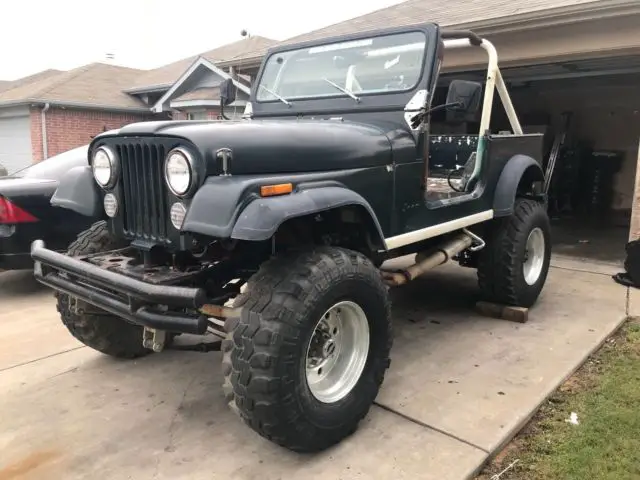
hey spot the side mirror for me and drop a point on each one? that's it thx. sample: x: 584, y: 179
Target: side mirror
x: 227, y: 92
x: 464, y: 97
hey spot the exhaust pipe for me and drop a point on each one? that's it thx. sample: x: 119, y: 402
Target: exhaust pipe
x: 426, y: 261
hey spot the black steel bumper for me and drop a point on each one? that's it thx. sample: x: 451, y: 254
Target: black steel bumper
x: 134, y: 300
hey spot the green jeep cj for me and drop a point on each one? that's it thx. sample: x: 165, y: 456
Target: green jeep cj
x: 268, y: 235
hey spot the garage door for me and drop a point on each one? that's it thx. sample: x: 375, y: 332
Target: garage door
x: 15, y: 142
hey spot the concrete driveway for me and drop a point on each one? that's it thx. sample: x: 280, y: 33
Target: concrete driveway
x: 459, y: 386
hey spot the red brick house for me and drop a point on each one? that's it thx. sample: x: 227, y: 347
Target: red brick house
x: 62, y: 110
x: 53, y: 111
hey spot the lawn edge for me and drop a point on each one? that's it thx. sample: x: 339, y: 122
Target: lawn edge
x: 514, y: 431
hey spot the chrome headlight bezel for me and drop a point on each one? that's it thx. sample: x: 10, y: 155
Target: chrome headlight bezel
x: 192, y: 182
x: 113, y: 167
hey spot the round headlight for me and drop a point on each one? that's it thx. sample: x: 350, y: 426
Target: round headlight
x: 104, y: 168
x: 178, y: 171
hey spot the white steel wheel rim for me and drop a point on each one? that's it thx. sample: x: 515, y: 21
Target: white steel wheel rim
x: 534, y: 256
x: 337, y: 352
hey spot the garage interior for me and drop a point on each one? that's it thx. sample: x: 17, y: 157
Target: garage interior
x: 588, y: 110
x: 594, y: 104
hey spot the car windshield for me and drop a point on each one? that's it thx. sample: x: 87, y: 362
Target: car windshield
x: 355, y: 68
x: 55, y: 167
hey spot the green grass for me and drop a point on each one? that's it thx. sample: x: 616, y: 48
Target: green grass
x: 605, y: 394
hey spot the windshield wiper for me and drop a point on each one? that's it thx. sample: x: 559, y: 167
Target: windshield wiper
x: 343, y: 90
x: 282, y: 99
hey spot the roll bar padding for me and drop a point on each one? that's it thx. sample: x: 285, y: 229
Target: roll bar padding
x: 455, y: 34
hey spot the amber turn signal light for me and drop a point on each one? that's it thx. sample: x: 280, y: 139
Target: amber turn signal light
x: 272, y: 190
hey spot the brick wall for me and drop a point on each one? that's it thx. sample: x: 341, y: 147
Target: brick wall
x: 212, y: 114
x: 178, y: 115
x: 70, y: 128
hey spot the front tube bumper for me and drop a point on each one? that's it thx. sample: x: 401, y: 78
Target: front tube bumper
x: 134, y: 300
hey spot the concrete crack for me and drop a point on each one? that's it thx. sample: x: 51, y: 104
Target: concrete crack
x: 431, y: 427
x: 41, y: 358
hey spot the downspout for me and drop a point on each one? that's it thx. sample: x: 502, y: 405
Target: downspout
x: 43, y: 125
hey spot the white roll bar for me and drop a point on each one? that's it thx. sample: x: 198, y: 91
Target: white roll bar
x: 494, y: 81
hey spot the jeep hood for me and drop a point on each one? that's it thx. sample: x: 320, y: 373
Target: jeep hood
x: 283, y: 146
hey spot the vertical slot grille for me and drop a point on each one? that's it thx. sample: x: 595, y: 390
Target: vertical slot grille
x: 145, y: 204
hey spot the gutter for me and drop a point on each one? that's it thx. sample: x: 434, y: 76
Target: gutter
x: 552, y: 17
x: 149, y: 89
x: 43, y: 126
x: 86, y: 106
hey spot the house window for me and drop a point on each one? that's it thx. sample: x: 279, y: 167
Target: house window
x: 203, y: 115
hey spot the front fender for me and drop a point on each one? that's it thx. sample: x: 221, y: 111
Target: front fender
x: 217, y: 203
x: 262, y: 217
x: 78, y: 191
x: 518, y: 167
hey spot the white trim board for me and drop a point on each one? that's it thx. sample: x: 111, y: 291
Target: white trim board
x: 436, y: 230
x: 201, y: 61
x: 205, y: 103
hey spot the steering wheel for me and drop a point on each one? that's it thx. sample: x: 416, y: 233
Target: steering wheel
x: 467, y: 171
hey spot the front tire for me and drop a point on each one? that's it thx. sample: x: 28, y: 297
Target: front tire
x: 105, y: 333
x: 513, y: 267
x: 306, y: 359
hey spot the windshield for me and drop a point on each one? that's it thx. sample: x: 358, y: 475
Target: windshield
x: 355, y: 68
x: 53, y: 168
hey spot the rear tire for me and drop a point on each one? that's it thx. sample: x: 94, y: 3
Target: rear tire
x: 275, y: 353
x: 105, y: 333
x: 513, y: 267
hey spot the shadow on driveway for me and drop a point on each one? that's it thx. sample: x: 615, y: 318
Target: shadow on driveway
x: 18, y: 282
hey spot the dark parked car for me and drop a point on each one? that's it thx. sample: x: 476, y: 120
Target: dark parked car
x: 26, y: 213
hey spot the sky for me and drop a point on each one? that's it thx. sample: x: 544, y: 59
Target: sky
x: 64, y: 34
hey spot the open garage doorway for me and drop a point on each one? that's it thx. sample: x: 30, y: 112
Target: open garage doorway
x: 589, y: 112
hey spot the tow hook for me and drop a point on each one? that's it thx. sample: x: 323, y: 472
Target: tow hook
x: 154, y: 339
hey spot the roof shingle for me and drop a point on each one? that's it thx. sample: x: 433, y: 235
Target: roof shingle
x: 9, y: 84
x: 451, y: 13
x: 96, y: 84
x: 166, y: 75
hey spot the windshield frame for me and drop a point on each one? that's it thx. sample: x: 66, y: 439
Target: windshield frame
x: 340, y: 102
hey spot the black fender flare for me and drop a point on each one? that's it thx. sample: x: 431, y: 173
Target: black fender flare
x: 78, y: 191
x: 260, y: 219
x: 518, y: 167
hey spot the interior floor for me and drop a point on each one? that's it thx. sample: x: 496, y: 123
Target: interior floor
x: 577, y: 239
